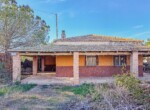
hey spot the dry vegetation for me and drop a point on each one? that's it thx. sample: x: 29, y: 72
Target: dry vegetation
x: 32, y: 97
x: 5, y: 76
x: 126, y: 94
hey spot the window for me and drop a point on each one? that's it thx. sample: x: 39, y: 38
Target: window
x: 91, y: 60
x: 119, y: 60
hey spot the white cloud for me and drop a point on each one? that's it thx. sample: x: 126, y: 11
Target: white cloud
x: 141, y: 35
x: 138, y: 26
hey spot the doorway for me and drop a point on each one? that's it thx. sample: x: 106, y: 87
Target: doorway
x: 47, y: 64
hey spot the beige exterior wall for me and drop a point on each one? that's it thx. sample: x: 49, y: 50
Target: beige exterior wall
x: 105, y: 60
x: 64, y: 60
x: 68, y: 60
x: 102, y: 60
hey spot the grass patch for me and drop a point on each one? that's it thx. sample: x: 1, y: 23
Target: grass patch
x: 4, y: 90
x: 53, y: 100
x: 23, y: 87
x: 16, y: 88
x: 82, y: 90
x: 33, y: 97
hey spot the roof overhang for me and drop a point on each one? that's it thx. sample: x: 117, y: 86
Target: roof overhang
x: 71, y: 53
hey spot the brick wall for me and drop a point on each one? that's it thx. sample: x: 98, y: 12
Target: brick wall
x: 64, y: 71
x: 97, y: 71
x: 64, y: 66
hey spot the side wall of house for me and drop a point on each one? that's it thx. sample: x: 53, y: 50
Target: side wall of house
x: 105, y: 68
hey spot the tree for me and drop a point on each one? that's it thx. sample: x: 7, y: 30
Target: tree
x: 148, y: 42
x: 20, y: 27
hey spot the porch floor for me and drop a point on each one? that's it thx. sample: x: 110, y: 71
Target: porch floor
x: 47, y: 79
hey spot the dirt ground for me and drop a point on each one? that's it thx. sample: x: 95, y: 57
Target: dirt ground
x: 39, y: 98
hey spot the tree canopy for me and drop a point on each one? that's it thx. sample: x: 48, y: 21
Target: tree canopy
x: 148, y: 42
x: 20, y: 27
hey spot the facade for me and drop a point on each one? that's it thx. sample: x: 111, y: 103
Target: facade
x: 84, y: 56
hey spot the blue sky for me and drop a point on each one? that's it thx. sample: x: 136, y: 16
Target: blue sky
x: 124, y: 18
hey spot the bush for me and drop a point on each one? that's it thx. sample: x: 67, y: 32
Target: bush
x: 132, y: 84
x: 4, y: 90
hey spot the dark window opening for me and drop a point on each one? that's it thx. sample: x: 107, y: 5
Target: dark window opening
x: 119, y: 60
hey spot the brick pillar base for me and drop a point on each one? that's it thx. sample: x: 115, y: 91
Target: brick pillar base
x: 134, y: 68
x: 76, y: 67
x: 16, y: 67
x: 34, y: 65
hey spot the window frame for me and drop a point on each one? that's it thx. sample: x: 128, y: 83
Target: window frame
x: 119, y: 56
x: 97, y: 61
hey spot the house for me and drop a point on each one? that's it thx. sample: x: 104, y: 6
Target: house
x: 84, y: 56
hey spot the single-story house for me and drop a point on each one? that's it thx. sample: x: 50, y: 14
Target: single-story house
x: 84, y: 56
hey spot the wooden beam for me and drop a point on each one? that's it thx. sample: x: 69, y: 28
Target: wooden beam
x: 106, y: 53
x: 144, y: 53
x: 45, y: 54
x: 81, y: 53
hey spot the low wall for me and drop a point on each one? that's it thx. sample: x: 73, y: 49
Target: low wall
x: 95, y: 71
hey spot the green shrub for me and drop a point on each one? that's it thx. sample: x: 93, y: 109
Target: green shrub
x: 23, y: 87
x: 132, y: 84
x: 82, y: 90
x: 16, y: 88
x: 4, y: 91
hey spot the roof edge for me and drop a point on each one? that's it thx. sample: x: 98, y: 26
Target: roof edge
x: 123, y: 38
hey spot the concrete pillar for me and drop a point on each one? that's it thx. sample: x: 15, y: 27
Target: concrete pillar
x: 16, y: 67
x: 76, y: 67
x: 35, y: 65
x: 134, y: 63
x: 43, y: 64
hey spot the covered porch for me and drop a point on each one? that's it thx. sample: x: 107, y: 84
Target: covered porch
x: 40, y: 76
x: 43, y: 71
